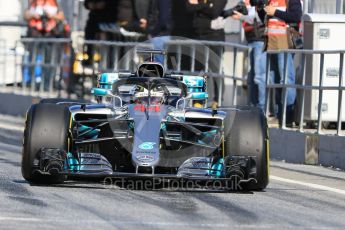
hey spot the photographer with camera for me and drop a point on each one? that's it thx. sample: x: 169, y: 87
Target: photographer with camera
x: 280, y: 16
x: 254, y: 30
x: 45, y: 19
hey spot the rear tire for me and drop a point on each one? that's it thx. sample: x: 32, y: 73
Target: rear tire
x: 246, y: 134
x: 46, y: 126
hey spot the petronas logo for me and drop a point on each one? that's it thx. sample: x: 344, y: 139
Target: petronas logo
x: 147, y: 145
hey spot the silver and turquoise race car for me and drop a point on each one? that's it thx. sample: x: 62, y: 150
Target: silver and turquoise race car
x: 146, y: 124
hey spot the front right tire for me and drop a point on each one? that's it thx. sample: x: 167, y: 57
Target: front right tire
x: 246, y: 134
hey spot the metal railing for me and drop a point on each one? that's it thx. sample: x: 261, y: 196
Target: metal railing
x: 210, y: 56
x: 115, y: 55
x: 201, y: 57
x: 3, y: 61
x: 312, y: 86
x: 45, y: 59
x: 39, y: 68
x: 50, y: 57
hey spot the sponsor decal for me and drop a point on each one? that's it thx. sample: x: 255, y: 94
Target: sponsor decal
x: 90, y: 155
x: 145, y: 152
x: 200, y: 163
x: 197, y: 162
x: 145, y: 158
x: 191, y: 82
x: 332, y: 72
x: 324, y: 33
x: 147, y: 145
x: 152, y: 108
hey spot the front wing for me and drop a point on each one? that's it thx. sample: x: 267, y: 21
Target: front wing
x: 90, y: 165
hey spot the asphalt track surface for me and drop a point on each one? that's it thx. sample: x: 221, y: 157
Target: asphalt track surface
x: 298, y: 197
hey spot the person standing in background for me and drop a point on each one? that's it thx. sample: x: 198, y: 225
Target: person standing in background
x: 133, y: 14
x: 181, y: 28
x: 44, y: 17
x: 100, y: 11
x: 206, y: 11
x: 254, y: 30
x: 182, y: 20
x: 45, y: 20
x: 159, y: 25
x: 279, y: 15
x: 160, y: 21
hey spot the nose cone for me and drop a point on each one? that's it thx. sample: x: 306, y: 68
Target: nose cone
x: 146, y: 147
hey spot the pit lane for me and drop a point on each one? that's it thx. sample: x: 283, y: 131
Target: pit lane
x: 298, y: 197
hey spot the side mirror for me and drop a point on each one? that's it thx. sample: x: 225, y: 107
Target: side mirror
x: 200, y: 96
x: 106, y: 80
x: 108, y: 97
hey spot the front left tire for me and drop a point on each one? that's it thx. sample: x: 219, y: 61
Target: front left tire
x: 47, y: 126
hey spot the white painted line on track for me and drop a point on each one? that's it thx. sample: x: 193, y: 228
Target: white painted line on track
x: 134, y: 222
x: 127, y: 223
x: 311, y: 185
x: 25, y: 219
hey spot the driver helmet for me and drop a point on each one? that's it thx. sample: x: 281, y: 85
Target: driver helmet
x: 156, y: 98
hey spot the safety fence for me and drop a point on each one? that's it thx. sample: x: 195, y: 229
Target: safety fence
x: 40, y: 65
x: 319, y: 85
x: 184, y: 56
x: 111, y: 56
x: 59, y: 67
x: 48, y: 67
x: 2, y: 59
x: 55, y: 67
x: 218, y: 60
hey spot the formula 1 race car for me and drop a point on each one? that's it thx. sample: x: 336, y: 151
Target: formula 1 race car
x: 146, y: 125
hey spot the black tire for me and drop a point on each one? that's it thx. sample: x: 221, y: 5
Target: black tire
x: 47, y: 125
x: 247, y: 135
